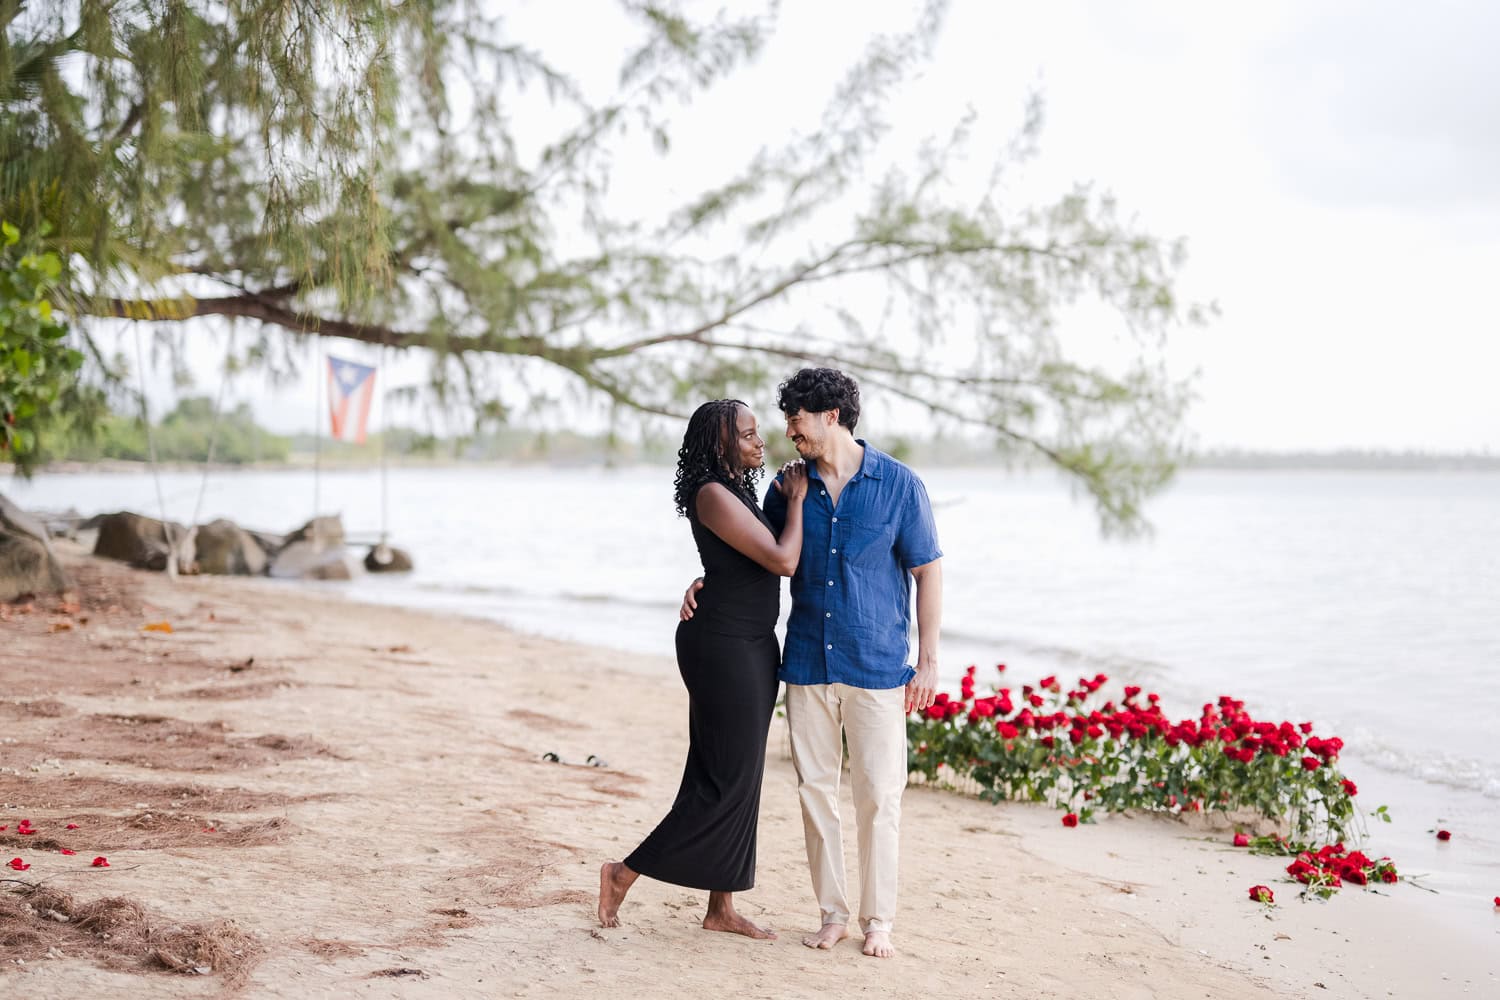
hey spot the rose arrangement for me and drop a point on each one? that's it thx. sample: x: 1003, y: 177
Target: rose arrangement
x: 1076, y: 750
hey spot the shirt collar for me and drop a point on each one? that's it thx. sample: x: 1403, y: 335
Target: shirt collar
x: 872, y: 464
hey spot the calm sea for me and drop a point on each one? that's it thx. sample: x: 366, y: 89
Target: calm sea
x: 1368, y: 602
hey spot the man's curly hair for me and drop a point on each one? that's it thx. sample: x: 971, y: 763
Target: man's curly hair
x: 818, y: 390
x: 709, y: 454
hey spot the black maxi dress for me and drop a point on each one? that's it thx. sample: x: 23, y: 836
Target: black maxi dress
x: 728, y: 657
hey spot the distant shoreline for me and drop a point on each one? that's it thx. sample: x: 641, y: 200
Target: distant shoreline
x: 1352, y: 461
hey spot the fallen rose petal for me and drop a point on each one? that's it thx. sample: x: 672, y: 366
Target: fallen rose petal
x: 1497, y: 902
x: 1071, y: 819
x: 1241, y: 840
x: 66, y: 851
x: 1443, y: 835
x: 16, y: 864
x: 100, y: 863
x: 209, y: 829
x: 72, y: 826
x: 26, y: 832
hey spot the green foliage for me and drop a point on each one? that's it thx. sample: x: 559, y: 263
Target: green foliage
x: 351, y: 168
x: 182, y: 436
x: 37, y: 366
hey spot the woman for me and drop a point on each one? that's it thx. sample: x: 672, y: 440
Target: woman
x: 728, y: 656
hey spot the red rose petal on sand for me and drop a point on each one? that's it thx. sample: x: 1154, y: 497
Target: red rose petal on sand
x: 100, y: 863
x: 16, y: 864
x: 1071, y: 819
x: 66, y: 851
x: 1443, y: 835
x: 209, y: 829
x: 1241, y: 840
x: 26, y: 832
x: 1497, y: 902
x: 4, y: 828
x: 72, y: 826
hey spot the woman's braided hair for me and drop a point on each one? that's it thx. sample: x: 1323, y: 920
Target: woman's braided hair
x: 710, y: 453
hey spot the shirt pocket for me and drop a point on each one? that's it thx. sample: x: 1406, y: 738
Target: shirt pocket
x: 867, y: 543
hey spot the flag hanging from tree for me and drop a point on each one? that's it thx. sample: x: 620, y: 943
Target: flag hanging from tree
x: 351, y: 386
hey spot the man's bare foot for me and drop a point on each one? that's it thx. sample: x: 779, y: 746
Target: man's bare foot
x: 828, y: 935
x: 732, y: 923
x: 878, y: 944
x: 613, y: 885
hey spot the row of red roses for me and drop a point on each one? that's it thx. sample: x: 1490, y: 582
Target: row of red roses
x: 1130, y: 755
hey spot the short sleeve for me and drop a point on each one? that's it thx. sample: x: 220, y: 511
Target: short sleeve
x: 916, y: 531
x: 774, y: 506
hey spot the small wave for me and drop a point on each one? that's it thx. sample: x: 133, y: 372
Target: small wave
x: 514, y: 593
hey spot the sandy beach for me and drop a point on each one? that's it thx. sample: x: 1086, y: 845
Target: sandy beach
x: 360, y: 793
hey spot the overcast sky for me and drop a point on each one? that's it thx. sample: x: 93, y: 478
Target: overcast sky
x: 1335, y: 167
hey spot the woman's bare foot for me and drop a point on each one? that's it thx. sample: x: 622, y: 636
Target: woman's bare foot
x: 615, y: 881
x: 828, y: 935
x: 878, y: 944
x: 736, y: 924
x: 722, y: 917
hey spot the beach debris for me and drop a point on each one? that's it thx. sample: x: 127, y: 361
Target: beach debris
x: 165, y: 627
x: 398, y: 973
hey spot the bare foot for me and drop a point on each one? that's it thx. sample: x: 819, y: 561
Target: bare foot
x: 828, y: 935
x: 733, y: 923
x: 613, y: 885
x: 878, y: 944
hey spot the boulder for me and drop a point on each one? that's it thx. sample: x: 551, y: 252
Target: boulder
x: 226, y: 549
x: 308, y: 560
x: 329, y: 530
x: 142, y: 541
x: 387, y: 559
x: 27, y: 563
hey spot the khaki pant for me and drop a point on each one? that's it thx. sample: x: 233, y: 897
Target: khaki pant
x: 875, y: 724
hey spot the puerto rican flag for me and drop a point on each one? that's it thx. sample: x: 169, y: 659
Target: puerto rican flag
x: 350, y: 386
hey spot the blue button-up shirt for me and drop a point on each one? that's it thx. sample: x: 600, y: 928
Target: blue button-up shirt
x: 851, y: 594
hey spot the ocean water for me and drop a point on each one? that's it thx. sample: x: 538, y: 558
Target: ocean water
x: 1368, y: 602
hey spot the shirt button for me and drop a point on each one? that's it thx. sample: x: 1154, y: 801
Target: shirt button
x: 830, y: 647
x: 828, y: 614
x: 830, y: 583
x: 822, y: 493
x: 835, y: 520
x: 834, y: 551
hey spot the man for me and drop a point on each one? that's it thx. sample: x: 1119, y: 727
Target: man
x: 868, y: 532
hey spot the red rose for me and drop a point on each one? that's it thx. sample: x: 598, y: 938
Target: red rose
x: 1497, y: 901
x: 1355, y: 876
x: 1350, y: 788
x: 1310, y: 763
x: 1443, y: 835
x: 1007, y: 731
x: 100, y: 863
x: 1071, y: 819
x: 1241, y: 840
x: 1035, y: 699
x: 1262, y: 894
x: 1388, y: 875
x: 1131, y: 691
